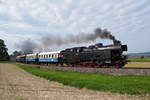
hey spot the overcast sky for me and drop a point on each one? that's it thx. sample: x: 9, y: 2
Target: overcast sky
x: 127, y: 20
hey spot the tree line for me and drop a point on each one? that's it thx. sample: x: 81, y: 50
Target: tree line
x: 3, y: 51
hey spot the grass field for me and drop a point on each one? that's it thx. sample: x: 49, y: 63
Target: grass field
x: 129, y: 84
x: 139, y: 59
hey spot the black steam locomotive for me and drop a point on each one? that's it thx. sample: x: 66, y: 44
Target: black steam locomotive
x: 95, y: 56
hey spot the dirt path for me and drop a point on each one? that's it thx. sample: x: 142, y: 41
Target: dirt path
x: 16, y: 84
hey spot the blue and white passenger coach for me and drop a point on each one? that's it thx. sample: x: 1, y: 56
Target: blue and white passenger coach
x: 48, y: 57
x: 31, y: 58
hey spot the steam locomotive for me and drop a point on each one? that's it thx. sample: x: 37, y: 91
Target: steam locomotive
x: 93, y: 56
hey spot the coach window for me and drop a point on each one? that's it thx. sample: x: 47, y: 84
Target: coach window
x: 75, y: 50
x: 78, y: 50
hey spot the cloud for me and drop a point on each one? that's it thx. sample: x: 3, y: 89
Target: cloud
x: 122, y: 18
x: 12, y: 39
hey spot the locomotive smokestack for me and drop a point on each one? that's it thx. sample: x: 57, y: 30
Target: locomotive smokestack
x: 116, y: 42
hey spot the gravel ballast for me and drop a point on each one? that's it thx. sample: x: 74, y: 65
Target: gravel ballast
x: 111, y: 71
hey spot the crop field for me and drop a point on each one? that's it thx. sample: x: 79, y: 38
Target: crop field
x: 139, y: 59
x: 138, y: 64
x: 125, y: 84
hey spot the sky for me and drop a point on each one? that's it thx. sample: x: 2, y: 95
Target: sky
x: 127, y: 20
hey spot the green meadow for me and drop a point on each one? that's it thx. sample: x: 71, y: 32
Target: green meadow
x: 125, y: 84
x: 139, y: 59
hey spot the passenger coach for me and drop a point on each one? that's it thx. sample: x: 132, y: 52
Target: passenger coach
x: 48, y: 57
x: 32, y: 58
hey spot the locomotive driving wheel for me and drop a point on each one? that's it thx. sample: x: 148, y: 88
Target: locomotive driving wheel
x: 117, y: 65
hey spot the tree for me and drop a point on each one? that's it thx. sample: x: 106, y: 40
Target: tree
x: 3, y: 51
x: 15, y: 54
x: 142, y: 57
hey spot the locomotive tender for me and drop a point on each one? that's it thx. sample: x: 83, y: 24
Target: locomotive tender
x: 93, y: 56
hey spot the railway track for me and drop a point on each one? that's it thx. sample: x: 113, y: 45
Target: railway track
x: 91, y: 67
x: 111, y: 71
x: 136, y: 67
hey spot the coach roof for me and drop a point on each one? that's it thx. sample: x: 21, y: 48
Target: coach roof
x: 46, y: 53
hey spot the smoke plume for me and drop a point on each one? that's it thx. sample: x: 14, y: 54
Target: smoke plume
x: 49, y: 40
x: 27, y: 46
